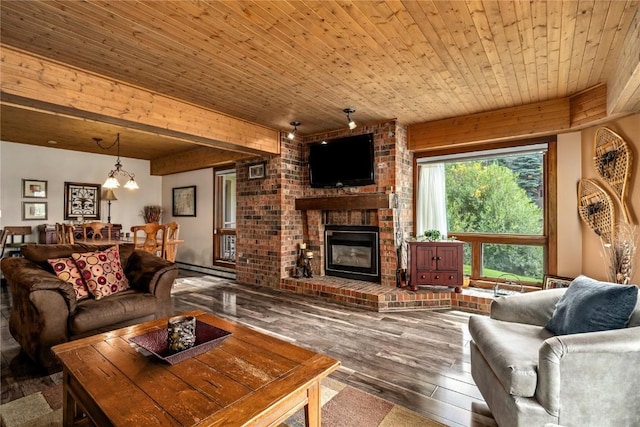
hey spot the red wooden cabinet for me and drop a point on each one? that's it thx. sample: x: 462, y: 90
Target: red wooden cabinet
x: 435, y: 264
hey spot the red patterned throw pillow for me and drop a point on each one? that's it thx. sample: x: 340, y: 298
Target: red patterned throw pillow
x: 102, y: 271
x: 67, y: 270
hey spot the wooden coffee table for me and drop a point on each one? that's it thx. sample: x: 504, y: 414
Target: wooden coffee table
x: 248, y: 379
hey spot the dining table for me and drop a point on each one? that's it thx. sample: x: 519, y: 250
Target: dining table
x: 170, y: 245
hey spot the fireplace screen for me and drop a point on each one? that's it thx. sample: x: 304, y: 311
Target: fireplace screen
x: 352, y: 252
x: 351, y: 256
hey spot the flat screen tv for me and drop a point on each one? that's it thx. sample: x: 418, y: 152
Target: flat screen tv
x: 343, y: 162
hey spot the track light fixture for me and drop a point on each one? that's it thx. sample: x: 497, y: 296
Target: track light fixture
x: 293, y: 132
x: 348, y: 112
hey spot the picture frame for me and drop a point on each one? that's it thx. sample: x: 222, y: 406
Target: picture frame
x: 34, y: 189
x: 82, y: 201
x: 257, y: 171
x: 34, y: 211
x: 553, y: 282
x: 184, y: 201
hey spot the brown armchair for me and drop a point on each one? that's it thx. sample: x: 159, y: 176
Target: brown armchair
x: 46, y: 312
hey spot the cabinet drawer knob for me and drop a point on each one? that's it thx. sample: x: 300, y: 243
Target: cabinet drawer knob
x: 423, y: 276
x: 451, y: 277
x: 437, y: 277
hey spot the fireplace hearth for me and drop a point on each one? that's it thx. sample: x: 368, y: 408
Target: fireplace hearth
x: 352, y: 252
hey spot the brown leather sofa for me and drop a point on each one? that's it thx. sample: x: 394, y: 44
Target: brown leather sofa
x: 45, y: 311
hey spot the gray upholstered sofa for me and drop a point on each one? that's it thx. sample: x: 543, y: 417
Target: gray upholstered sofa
x: 45, y: 310
x: 529, y: 377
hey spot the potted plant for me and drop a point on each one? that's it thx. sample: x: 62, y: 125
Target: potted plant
x: 432, y: 235
x: 151, y: 213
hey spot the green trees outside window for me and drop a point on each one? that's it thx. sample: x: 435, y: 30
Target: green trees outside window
x: 499, y: 195
x: 487, y: 198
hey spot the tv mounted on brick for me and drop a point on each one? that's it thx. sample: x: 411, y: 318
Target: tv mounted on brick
x: 343, y: 162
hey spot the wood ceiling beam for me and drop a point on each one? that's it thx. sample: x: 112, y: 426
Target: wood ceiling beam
x: 199, y: 158
x: 536, y: 119
x: 586, y: 108
x: 42, y: 83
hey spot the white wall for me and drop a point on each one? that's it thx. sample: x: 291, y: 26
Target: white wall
x: 197, y: 232
x: 57, y: 166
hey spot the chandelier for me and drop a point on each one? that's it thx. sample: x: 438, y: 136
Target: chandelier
x: 112, y: 180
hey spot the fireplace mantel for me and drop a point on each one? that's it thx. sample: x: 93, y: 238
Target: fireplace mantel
x: 344, y: 203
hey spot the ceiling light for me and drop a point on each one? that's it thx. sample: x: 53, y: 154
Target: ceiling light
x: 112, y: 180
x: 348, y: 112
x: 293, y: 132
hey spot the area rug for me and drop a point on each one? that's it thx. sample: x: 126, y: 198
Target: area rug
x: 342, y: 406
x: 346, y: 406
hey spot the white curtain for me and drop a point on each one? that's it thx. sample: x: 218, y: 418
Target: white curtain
x: 432, y: 207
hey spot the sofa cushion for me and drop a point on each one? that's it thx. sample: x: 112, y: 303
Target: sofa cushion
x: 67, y: 270
x: 590, y: 306
x: 92, y: 315
x: 511, y: 350
x: 102, y: 272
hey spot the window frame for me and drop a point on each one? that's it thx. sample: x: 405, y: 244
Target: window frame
x: 548, y: 239
x: 220, y: 231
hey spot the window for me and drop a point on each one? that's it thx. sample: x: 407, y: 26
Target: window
x: 225, y: 218
x: 494, y: 200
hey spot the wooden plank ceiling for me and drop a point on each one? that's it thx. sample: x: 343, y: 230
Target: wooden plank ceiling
x: 272, y: 62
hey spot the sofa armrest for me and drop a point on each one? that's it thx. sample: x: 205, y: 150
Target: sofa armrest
x: 40, y: 309
x: 144, y: 271
x: 25, y: 277
x: 533, y: 308
x: 589, y: 376
x: 149, y: 273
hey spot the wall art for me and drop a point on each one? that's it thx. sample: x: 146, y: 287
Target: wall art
x: 81, y: 201
x: 184, y: 201
x: 257, y: 171
x: 34, y: 211
x: 33, y: 188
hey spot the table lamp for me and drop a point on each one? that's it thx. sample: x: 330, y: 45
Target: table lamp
x: 109, y: 196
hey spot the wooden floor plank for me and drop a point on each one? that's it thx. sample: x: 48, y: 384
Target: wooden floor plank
x: 416, y: 359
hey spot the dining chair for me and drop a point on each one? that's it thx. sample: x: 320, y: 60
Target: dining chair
x: 171, y: 245
x: 10, y: 246
x: 70, y: 231
x: 60, y: 237
x: 153, y: 240
x: 96, y: 230
x: 64, y: 233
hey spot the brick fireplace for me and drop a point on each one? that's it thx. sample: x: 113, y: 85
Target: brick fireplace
x: 278, y: 212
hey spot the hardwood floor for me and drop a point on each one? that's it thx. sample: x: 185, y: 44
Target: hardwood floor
x: 417, y: 359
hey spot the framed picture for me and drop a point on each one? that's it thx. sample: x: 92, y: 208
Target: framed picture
x: 81, y: 201
x: 184, y: 201
x: 33, y: 188
x: 257, y: 171
x: 552, y: 282
x: 34, y: 211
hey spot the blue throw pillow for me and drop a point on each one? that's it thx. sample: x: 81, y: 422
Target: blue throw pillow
x: 589, y: 306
